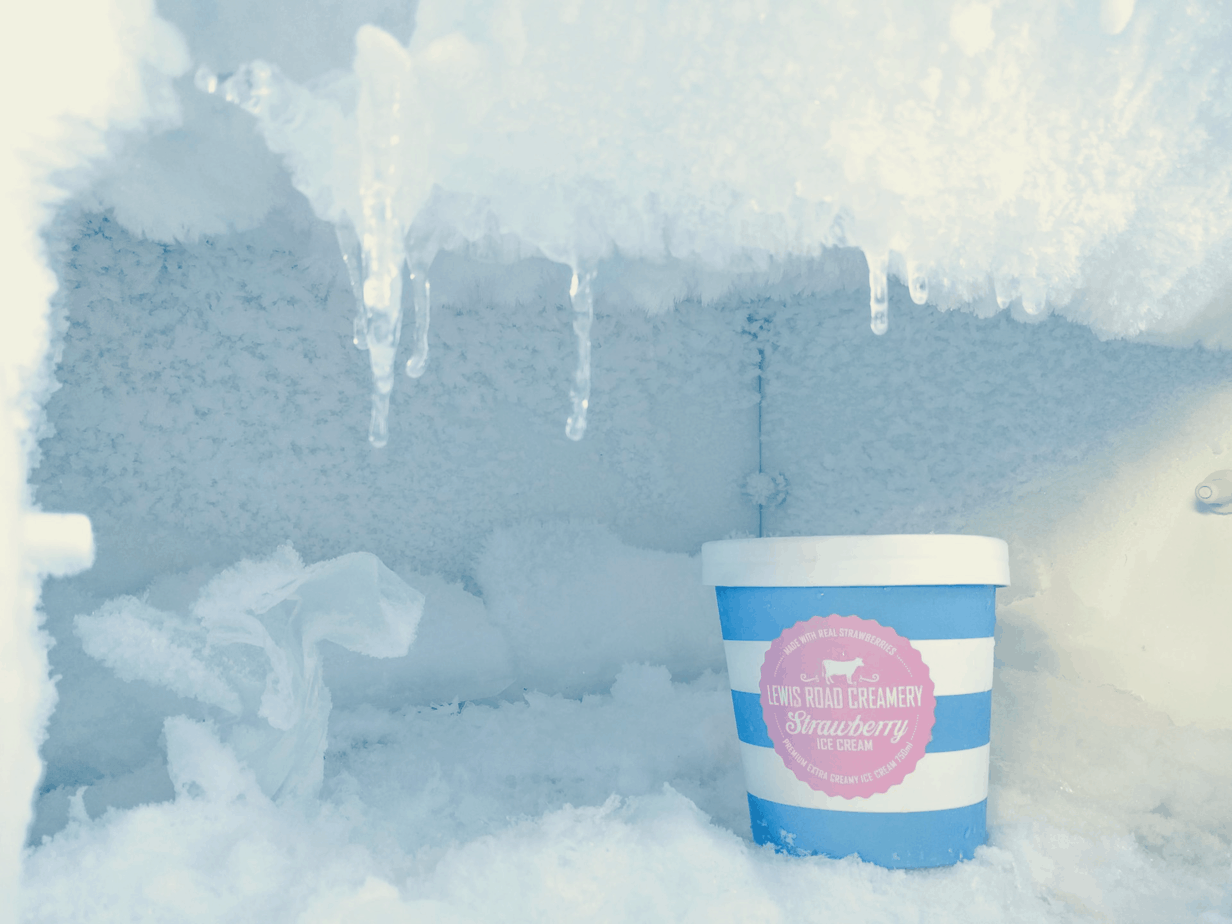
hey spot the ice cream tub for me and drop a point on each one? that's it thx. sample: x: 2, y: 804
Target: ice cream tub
x: 861, y: 673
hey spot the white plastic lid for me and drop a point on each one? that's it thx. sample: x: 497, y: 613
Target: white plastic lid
x: 856, y: 561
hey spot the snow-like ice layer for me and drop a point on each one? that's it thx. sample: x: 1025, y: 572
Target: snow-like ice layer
x: 625, y: 802
x: 628, y: 805
x: 1044, y: 155
x: 1031, y: 145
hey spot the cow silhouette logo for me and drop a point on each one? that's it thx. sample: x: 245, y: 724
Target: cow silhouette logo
x: 832, y: 669
x: 857, y: 723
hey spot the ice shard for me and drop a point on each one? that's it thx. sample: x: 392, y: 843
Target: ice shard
x: 582, y: 298
x: 878, y: 291
x: 421, y: 293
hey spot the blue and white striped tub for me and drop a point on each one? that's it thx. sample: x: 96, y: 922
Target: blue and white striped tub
x: 936, y: 815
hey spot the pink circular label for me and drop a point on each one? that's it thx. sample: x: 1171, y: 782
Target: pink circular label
x: 848, y: 703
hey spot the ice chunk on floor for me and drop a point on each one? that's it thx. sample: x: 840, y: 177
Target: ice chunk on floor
x: 454, y: 772
x: 576, y: 604
x: 249, y: 647
x: 139, y: 642
x: 459, y: 655
x: 200, y: 765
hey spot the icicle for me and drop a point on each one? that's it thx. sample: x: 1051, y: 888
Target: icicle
x: 583, y: 302
x: 1007, y: 289
x: 378, y: 426
x: 917, y: 282
x: 1034, y: 297
x: 421, y: 288
x: 352, y: 256
x: 373, y: 246
x: 878, y: 265
x: 384, y: 332
x: 381, y: 64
